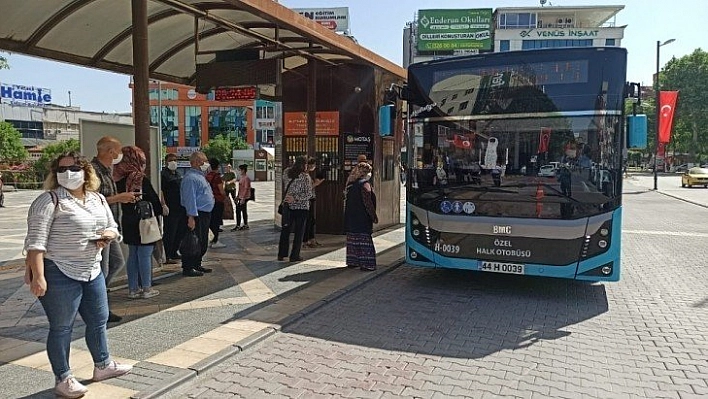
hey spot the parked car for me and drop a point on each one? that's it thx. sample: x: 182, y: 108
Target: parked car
x: 695, y: 177
x: 547, y: 171
x: 680, y: 168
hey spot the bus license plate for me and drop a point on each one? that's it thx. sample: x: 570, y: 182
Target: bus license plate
x: 501, y: 267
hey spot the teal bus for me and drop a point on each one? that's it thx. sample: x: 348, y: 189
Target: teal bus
x: 514, y: 162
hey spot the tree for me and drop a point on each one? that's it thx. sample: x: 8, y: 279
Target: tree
x: 51, y: 151
x: 221, y: 147
x: 689, y: 75
x: 11, y: 148
x: 3, y: 63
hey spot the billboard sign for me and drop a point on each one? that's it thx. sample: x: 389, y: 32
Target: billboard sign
x: 29, y: 96
x: 447, y: 30
x: 336, y: 19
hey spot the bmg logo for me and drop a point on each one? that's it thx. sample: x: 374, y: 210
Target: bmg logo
x: 501, y: 230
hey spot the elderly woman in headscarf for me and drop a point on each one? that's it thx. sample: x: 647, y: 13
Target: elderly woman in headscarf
x: 129, y: 175
x: 359, y: 218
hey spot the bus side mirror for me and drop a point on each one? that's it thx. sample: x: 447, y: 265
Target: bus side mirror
x: 637, y: 128
x: 387, y: 120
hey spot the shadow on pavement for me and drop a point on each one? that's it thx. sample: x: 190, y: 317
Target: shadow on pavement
x: 430, y: 312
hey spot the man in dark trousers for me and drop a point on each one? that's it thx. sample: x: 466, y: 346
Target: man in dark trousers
x: 108, y: 154
x: 198, y: 200
x: 176, y: 216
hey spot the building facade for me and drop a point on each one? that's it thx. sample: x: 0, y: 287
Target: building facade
x: 512, y: 29
x: 188, y: 120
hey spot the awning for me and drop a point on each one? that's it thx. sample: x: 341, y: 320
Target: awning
x: 181, y: 33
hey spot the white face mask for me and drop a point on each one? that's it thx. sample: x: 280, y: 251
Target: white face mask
x: 117, y: 160
x: 205, y: 166
x: 368, y: 176
x: 172, y: 165
x: 70, y: 180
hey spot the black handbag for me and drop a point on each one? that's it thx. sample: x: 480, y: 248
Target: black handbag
x: 283, y: 205
x: 190, y: 244
x: 253, y: 194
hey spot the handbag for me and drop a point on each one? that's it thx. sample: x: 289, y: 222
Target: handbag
x: 149, y: 226
x: 283, y: 204
x: 253, y: 194
x: 189, y: 246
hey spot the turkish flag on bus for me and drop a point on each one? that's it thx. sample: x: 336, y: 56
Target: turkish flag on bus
x: 667, y: 99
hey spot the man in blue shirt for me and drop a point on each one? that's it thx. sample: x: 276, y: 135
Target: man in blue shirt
x: 198, y: 200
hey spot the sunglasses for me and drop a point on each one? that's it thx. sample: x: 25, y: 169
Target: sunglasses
x: 72, y: 168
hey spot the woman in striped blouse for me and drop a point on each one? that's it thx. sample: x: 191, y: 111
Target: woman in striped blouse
x: 67, y: 227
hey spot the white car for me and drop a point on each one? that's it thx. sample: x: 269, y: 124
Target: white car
x: 547, y: 171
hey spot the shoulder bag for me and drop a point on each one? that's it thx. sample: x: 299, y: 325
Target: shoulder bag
x: 149, y: 226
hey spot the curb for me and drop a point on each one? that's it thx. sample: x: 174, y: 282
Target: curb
x: 258, y: 337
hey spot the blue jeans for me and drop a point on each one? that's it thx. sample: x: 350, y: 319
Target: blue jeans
x: 139, y: 266
x: 63, y: 299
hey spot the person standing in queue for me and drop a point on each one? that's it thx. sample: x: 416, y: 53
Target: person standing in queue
x: 244, y: 194
x: 174, y: 215
x: 217, y: 214
x: 67, y: 227
x: 198, y: 201
x: 297, y: 197
x: 359, y: 218
x: 109, y: 153
x: 130, y: 177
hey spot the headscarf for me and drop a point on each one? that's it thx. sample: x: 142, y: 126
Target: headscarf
x: 132, y: 168
x: 359, y: 172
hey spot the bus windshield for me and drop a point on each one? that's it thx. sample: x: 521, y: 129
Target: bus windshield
x: 531, y: 134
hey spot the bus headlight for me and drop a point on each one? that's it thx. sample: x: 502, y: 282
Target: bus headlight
x: 416, y: 233
x: 606, y: 270
x: 604, y: 232
x: 602, y: 244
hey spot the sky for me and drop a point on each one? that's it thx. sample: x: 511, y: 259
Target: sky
x: 378, y: 25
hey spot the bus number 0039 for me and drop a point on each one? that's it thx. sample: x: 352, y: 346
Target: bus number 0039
x: 447, y: 248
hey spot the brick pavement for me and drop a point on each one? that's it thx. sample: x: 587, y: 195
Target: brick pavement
x: 443, y: 333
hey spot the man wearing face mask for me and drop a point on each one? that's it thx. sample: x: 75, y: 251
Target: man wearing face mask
x: 108, y: 154
x: 198, y: 200
x: 176, y: 216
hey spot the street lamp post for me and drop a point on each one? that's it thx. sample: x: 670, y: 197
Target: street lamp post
x: 658, y: 109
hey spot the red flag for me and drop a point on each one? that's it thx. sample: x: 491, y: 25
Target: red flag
x: 544, y: 140
x: 667, y: 99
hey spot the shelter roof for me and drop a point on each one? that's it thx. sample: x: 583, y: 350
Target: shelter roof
x: 181, y: 34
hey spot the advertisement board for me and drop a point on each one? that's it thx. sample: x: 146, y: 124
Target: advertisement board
x: 326, y: 123
x: 29, y: 96
x: 447, y: 30
x: 336, y: 19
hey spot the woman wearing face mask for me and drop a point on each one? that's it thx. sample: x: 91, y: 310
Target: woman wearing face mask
x: 359, y: 218
x: 67, y: 227
x: 129, y: 176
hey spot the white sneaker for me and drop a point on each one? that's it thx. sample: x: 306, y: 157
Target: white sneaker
x: 218, y: 245
x: 135, y: 294
x: 112, y: 370
x: 150, y: 293
x: 70, y: 388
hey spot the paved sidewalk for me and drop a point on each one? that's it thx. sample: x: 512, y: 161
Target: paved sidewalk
x: 194, y: 323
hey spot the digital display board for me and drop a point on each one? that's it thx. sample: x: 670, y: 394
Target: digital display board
x: 235, y: 93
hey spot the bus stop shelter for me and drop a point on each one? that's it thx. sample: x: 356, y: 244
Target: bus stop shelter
x: 211, y: 43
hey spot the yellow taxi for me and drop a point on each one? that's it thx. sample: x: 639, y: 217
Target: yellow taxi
x: 695, y: 177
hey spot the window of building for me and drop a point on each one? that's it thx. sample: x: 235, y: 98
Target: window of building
x: 504, y: 45
x: 227, y: 121
x: 609, y: 42
x: 164, y: 94
x: 28, y: 129
x: 535, y: 44
x: 167, y: 118
x: 464, y: 105
x: 193, y: 126
x: 522, y: 20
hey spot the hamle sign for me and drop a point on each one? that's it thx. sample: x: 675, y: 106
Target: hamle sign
x: 25, y: 95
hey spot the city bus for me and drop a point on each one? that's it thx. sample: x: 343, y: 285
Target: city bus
x: 515, y: 162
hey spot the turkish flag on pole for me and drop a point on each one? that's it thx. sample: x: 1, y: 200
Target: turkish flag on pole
x: 667, y: 99
x: 544, y: 140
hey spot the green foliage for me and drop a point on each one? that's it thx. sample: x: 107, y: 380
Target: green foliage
x: 11, y: 148
x: 689, y: 75
x: 3, y: 63
x: 52, y: 151
x: 221, y: 147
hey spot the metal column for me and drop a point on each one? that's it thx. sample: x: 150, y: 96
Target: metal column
x: 141, y: 76
x: 311, y: 105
